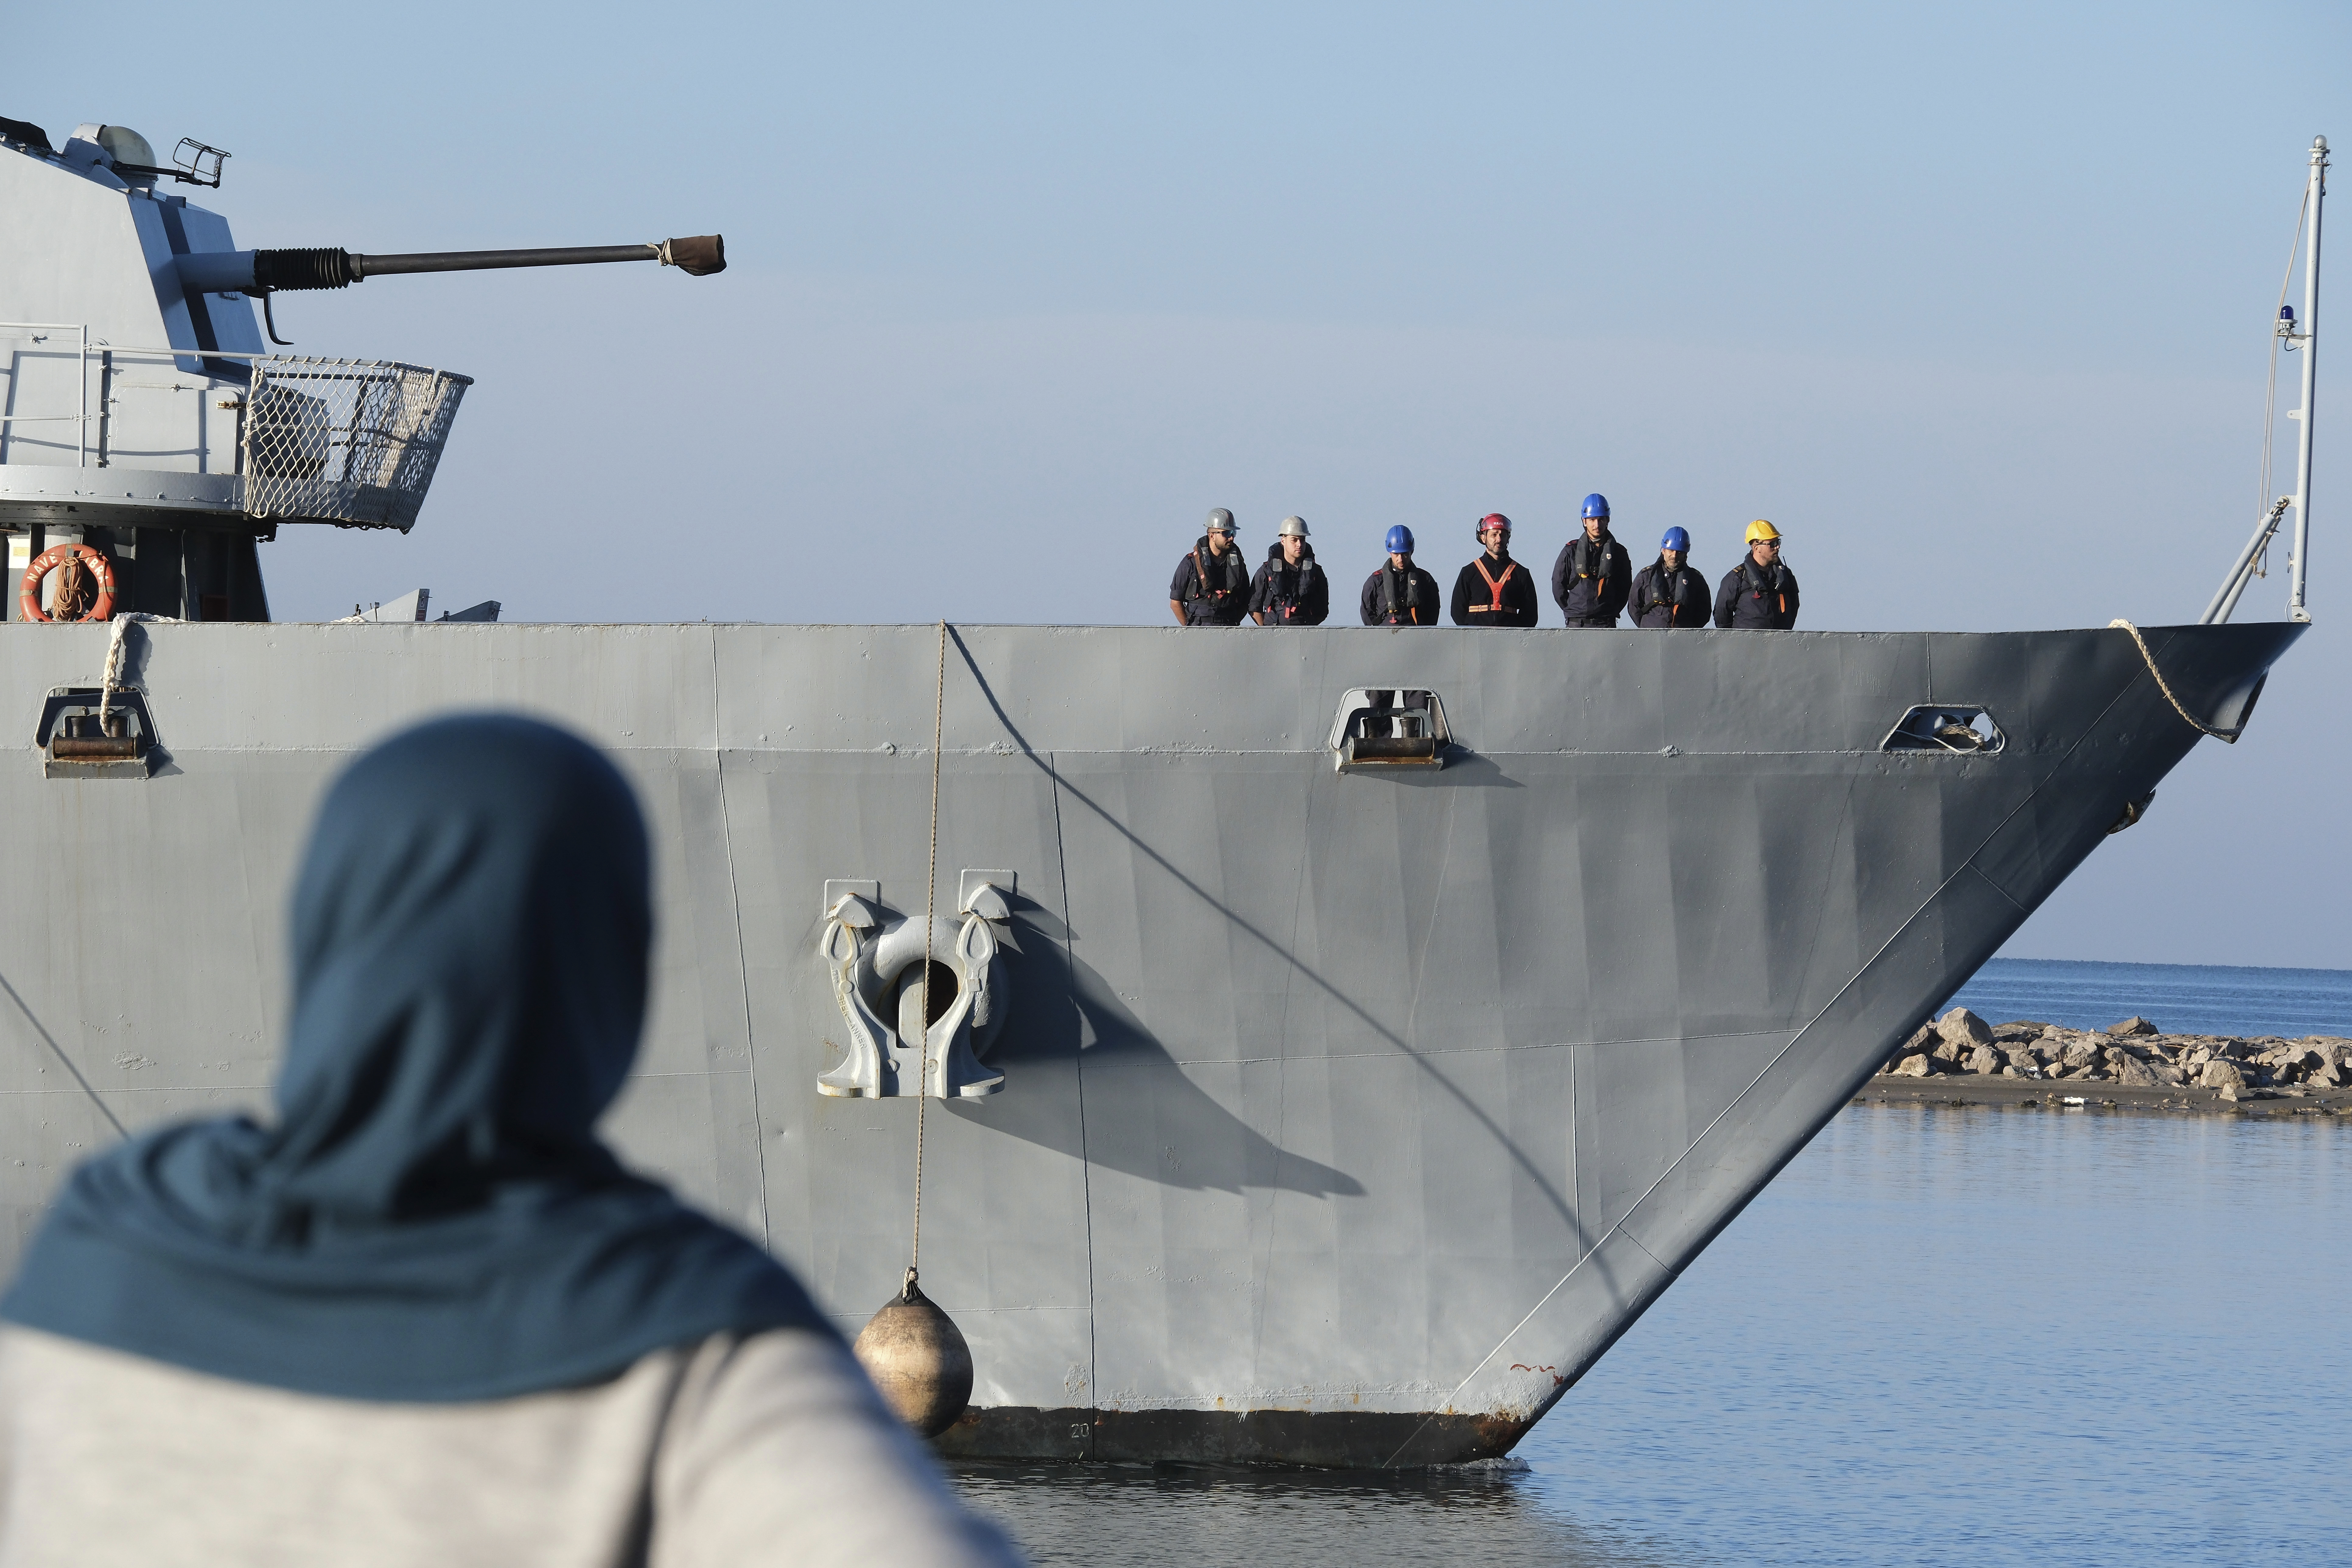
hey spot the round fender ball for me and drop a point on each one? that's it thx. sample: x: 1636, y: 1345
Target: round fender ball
x: 917, y: 1358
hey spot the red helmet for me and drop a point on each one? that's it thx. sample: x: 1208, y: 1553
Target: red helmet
x: 1494, y: 520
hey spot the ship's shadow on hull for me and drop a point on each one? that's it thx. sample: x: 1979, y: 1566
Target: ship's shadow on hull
x: 1066, y: 1008
x: 1115, y: 1040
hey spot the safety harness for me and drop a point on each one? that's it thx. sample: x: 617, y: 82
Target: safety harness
x: 1493, y: 585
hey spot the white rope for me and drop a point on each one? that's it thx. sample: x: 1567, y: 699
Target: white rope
x: 2229, y: 736
x: 930, y: 913
x: 111, y: 681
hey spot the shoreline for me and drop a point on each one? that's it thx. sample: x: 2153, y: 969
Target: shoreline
x: 2012, y: 1094
x: 2131, y: 1066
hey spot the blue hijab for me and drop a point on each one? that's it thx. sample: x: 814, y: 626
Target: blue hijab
x: 431, y: 1216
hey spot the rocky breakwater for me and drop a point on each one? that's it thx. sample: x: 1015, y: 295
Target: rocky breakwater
x: 2133, y: 1064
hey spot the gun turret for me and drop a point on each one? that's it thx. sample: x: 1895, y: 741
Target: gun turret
x: 140, y: 399
x: 266, y: 271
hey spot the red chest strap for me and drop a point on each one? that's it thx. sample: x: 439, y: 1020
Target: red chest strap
x: 1495, y: 584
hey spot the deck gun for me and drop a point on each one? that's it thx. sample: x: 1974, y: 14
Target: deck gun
x: 146, y: 422
x: 265, y: 272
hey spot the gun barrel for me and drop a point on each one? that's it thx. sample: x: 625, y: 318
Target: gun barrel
x: 480, y: 260
x: 266, y: 271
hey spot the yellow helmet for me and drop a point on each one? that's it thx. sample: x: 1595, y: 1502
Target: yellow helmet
x: 1760, y: 528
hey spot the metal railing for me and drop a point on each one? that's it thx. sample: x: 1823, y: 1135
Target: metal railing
x: 351, y: 442
x: 39, y: 332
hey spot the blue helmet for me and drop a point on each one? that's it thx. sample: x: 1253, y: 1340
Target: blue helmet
x: 1596, y: 505
x: 1675, y: 538
x: 1399, y: 541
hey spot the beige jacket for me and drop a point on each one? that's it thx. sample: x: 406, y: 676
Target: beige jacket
x: 771, y: 1449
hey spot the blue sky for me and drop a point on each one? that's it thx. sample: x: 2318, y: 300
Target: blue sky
x: 1973, y: 301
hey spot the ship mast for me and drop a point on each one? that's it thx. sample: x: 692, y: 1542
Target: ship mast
x: 2250, y: 560
x: 2316, y: 194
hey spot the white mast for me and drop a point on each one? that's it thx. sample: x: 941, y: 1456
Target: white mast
x: 2316, y: 193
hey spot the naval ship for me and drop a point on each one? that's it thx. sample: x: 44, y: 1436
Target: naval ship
x: 1337, y: 1040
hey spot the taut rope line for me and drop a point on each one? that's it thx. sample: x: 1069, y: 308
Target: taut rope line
x: 2270, y: 395
x: 112, y: 680
x: 930, y: 913
x: 2229, y: 736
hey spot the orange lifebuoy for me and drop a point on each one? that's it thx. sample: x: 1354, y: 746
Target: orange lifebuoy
x: 28, y: 594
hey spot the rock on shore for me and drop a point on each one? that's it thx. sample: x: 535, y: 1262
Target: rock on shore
x: 2133, y: 1054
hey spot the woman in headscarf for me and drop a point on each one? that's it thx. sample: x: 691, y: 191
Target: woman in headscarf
x: 425, y: 1315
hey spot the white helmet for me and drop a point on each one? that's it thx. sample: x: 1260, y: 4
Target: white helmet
x: 1292, y: 526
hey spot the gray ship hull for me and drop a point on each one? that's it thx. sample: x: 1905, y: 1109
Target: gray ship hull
x: 1347, y: 1118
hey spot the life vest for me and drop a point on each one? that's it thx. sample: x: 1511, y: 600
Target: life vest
x: 1681, y: 584
x: 1411, y: 609
x: 1236, y: 575
x: 1286, y: 584
x: 1589, y: 557
x: 1776, y: 584
x: 1493, y: 585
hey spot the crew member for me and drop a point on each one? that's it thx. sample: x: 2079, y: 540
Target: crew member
x: 1212, y: 585
x: 1593, y: 574
x: 1495, y: 590
x: 1760, y: 594
x: 1290, y: 590
x: 1670, y: 591
x: 1399, y: 594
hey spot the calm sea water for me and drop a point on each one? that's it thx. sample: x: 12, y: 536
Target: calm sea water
x: 1943, y: 1335
x: 2178, y: 999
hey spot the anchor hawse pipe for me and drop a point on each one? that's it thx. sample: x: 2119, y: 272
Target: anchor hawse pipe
x: 263, y: 271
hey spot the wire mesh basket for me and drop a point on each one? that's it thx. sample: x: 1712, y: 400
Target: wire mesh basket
x: 352, y: 442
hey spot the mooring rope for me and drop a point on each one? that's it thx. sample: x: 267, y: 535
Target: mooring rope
x: 2229, y: 736
x: 930, y: 913
x: 110, y: 679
